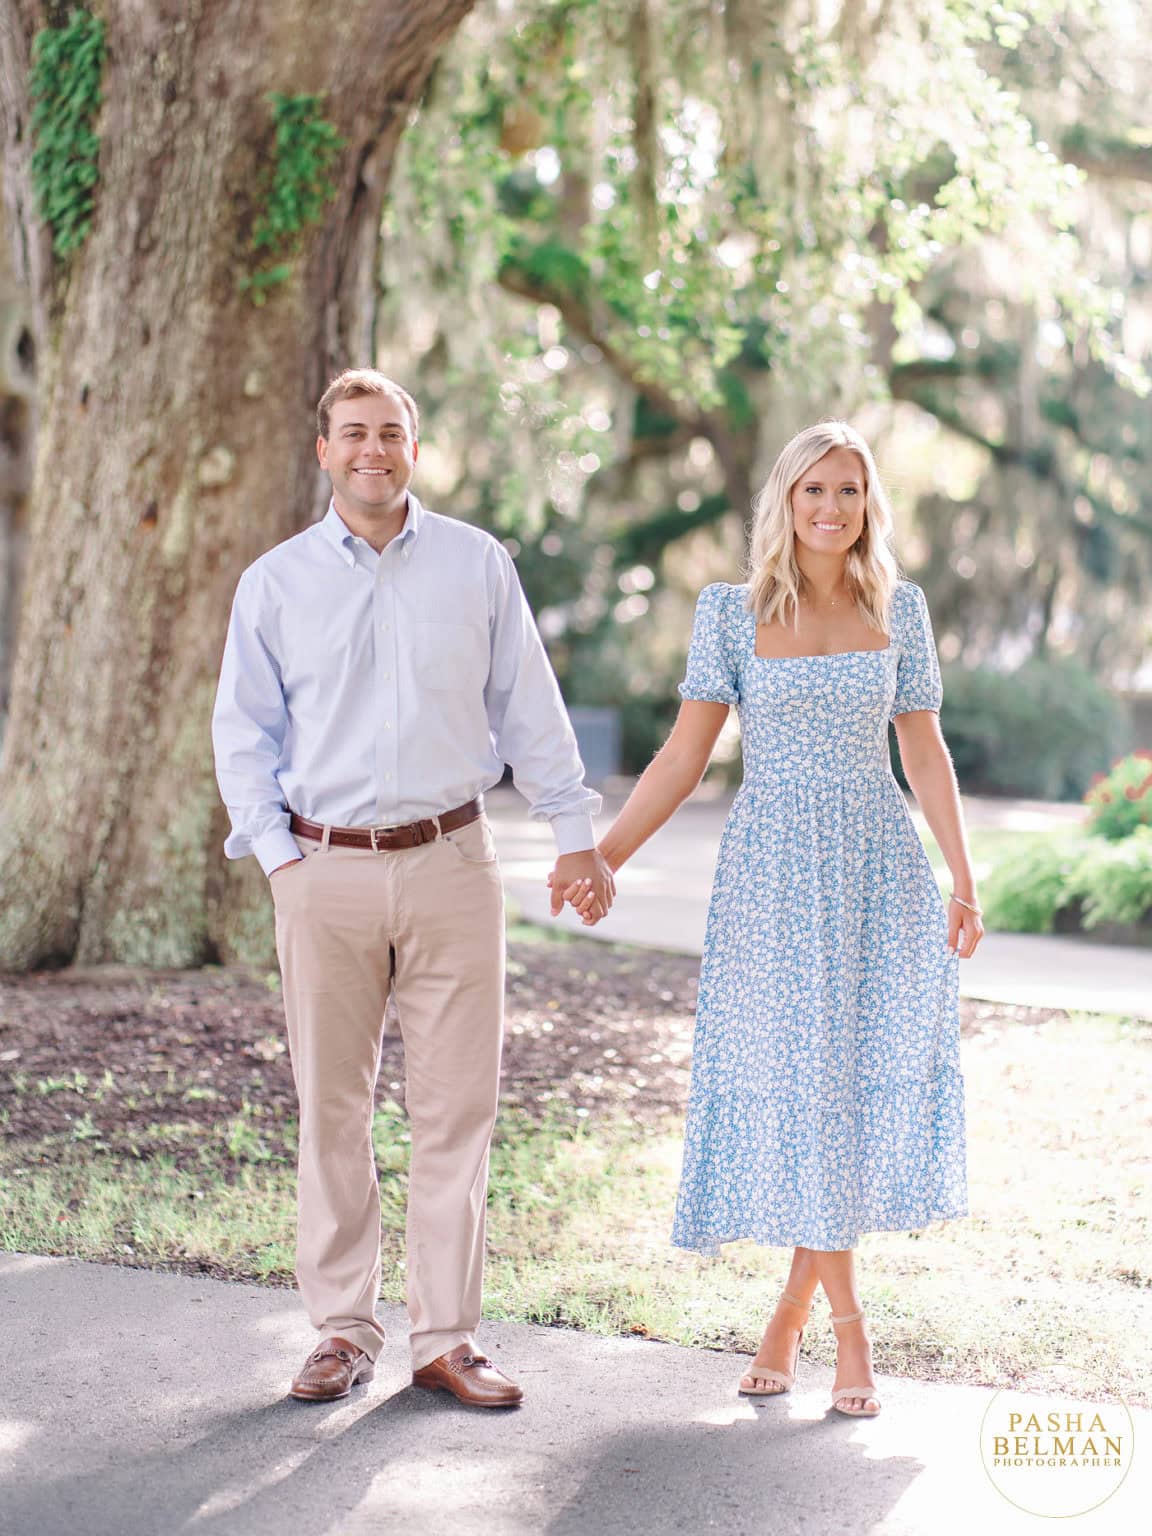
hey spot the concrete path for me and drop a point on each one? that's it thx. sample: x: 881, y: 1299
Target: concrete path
x: 138, y: 1404
x: 662, y: 903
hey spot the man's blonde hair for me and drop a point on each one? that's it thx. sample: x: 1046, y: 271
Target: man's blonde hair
x: 870, y: 571
x: 353, y: 383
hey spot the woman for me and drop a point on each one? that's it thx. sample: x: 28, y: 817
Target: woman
x: 826, y: 1097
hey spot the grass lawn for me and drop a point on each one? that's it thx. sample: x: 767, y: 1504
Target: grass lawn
x: 1055, y: 1263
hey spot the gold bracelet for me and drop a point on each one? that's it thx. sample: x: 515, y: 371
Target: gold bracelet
x: 960, y: 902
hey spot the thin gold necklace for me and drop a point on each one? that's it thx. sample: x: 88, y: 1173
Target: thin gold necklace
x: 832, y: 602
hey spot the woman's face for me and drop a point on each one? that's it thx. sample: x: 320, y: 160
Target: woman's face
x: 828, y: 503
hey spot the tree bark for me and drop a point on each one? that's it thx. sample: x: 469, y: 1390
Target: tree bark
x: 176, y: 444
x: 17, y: 434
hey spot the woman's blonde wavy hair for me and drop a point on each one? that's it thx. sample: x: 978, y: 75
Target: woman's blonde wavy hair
x: 870, y: 571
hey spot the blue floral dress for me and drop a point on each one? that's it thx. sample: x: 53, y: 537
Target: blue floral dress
x: 827, y: 1098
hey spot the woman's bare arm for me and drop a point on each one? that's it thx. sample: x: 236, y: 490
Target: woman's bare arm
x: 667, y: 781
x: 932, y: 779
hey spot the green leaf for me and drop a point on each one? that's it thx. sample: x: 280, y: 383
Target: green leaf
x: 67, y: 64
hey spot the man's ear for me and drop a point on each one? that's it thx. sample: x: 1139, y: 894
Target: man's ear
x: 415, y: 449
x: 322, y: 451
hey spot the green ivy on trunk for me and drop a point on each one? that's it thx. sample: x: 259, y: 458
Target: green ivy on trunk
x: 306, y: 146
x: 67, y: 64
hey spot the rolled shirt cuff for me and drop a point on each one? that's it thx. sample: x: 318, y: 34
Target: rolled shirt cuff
x: 573, y: 832
x: 274, y: 848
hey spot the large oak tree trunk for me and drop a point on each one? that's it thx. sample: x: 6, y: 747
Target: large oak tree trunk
x: 175, y: 444
x: 17, y: 399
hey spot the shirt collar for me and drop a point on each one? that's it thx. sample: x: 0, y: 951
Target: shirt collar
x: 340, y: 536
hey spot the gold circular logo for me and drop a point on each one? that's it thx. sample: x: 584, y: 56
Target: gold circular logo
x: 1052, y: 1453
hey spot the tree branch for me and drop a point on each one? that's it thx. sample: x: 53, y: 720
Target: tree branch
x: 515, y: 278
x: 1111, y: 158
x: 647, y: 540
x: 1040, y: 462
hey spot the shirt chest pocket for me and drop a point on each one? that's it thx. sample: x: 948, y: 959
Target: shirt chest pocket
x: 449, y: 657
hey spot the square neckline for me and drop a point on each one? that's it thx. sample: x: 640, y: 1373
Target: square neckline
x: 872, y: 650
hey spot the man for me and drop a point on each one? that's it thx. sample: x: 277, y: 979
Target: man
x: 380, y: 669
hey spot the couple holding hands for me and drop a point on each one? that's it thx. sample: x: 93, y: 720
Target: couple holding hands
x: 380, y: 669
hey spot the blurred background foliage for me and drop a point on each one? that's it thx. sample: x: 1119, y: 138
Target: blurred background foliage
x: 1096, y: 877
x: 632, y: 247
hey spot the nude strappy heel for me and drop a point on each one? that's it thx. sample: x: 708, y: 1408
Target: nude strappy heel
x: 841, y: 1394
x: 784, y: 1379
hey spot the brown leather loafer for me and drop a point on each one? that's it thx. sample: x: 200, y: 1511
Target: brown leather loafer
x: 331, y: 1371
x: 471, y: 1378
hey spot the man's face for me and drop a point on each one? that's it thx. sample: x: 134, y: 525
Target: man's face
x: 370, y: 453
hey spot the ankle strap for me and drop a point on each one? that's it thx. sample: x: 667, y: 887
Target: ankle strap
x: 849, y: 1317
x: 793, y: 1300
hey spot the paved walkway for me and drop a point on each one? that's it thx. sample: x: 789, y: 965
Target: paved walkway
x: 138, y: 1404
x: 662, y: 902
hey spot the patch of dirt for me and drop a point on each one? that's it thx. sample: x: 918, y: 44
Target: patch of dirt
x: 109, y: 1055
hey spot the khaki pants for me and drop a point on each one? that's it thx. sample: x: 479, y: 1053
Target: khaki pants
x: 427, y: 923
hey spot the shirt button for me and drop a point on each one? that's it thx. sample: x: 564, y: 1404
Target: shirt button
x: 387, y: 677
x: 387, y: 725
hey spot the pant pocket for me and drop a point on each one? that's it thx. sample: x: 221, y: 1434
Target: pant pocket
x: 474, y: 844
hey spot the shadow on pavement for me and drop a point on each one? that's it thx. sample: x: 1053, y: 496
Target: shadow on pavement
x: 771, y: 1474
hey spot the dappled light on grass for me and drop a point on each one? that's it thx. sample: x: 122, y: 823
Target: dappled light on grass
x: 156, y: 1214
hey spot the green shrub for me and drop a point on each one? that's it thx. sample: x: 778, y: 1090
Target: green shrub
x: 1100, y: 881
x: 1040, y: 732
x: 1113, y: 880
x: 1027, y: 887
x: 645, y: 724
x: 1121, y: 801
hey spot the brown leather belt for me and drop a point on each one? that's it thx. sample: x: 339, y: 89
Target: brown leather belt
x: 387, y: 839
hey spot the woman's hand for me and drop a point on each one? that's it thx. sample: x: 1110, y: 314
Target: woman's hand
x: 581, y: 896
x: 965, y: 926
x: 667, y: 782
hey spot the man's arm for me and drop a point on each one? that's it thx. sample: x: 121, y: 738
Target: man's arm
x: 248, y: 727
x: 534, y: 736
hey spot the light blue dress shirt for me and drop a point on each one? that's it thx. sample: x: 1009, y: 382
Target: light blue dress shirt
x: 372, y: 690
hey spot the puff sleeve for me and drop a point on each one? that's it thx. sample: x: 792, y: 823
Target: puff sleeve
x: 918, y: 670
x: 711, y: 671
